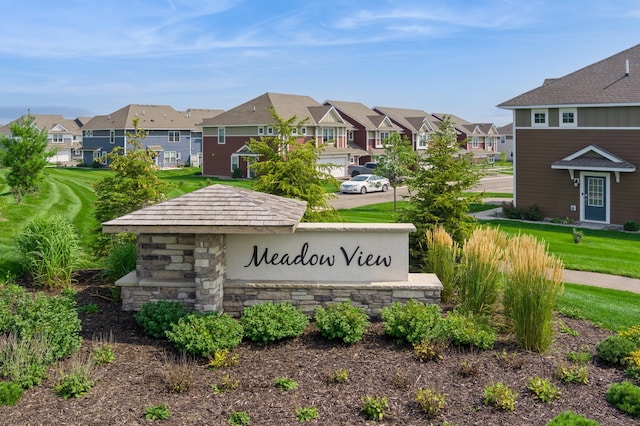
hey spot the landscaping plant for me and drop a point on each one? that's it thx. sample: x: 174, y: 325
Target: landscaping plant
x: 157, y: 412
x: 431, y: 402
x: 615, y: 349
x: 412, y: 321
x: 270, y: 322
x: 543, y: 389
x: 442, y: 255
x: 533, y: 282
x: 573, y: 373
x: 239, y: 418
x: 625, y: 397
x: 466, y: 329
x: 374, y: 408
x: 306, y: 414
x: 222, y: 358
x: 203, y: 334
x: 77, y: 380
x: 500, y: 396
x: 155, y: 318
x: 24, y: 360
x: 570, y: 418
x: 285, y: 383
x: 479, y: 276
x: 342, y: 321
x: 10, y: 393
x: 120, y: 261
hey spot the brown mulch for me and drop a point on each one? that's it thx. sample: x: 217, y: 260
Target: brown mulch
x: 377, y: 366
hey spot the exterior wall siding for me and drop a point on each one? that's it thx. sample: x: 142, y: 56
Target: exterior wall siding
x: 553, y: 190
x: 216, y: 158
x: 588, y: 117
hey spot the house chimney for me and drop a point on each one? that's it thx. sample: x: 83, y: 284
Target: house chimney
x: 626, y: 67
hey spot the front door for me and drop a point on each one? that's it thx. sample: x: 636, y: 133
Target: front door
x: 595, y: 198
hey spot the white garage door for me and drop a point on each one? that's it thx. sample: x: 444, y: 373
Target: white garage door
x: 339, y: 165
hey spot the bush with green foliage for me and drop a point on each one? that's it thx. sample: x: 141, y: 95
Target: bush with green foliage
x: 500, y: 396
x: 430, y: 401
x: 239, y: 418
x: 532, y: 213
x: 76, y: 381
x: 615, y: 349
x: 625, y: 397
x: 543, y: 389
x: 270, y: 322
x: 50, y: 250
x: 580, y: 357
x: 342, y: 321
x: 285, y: 383
x: 570, y: 418
x: 412, y: 321
x: 306, y: 414
x: 156, y: 318
x: 157, y: 412
x: 10, y: 393
x: 120, y: 261
x: 22, y: 360
x: 632, y: 333
x: 429, y: 350
x: 466, y: 329
x: 375, y: 408
x: 573, y: 373
x: 510, y: 211
x: 222, y: 358
x: 203, y: 334
x: 631, y: 226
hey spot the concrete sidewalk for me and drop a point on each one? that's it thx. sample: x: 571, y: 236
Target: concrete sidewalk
x: 614, y: 282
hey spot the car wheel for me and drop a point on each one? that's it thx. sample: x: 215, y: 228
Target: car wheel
x: 384, y: 188
x: 354, y: 174
x: 363, y: 190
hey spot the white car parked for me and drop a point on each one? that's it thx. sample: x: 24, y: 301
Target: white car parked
x: 365, y: 183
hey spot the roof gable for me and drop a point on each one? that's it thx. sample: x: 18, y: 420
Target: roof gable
x: 156, y: 117
x: 614, y: 80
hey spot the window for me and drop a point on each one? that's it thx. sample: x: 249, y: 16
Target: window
x: 56, y: 138
x: 539, y: 118
x: 423, y: 140
x: 260, y: 131
x: 384, y: 138
x: 88, y: 133
x: 221, y: 136
x: 474, y: 142
x: 170, y: 157
x: 568, y: 117
x: 235, y: 162
x: 112, y: 136
x: 490, y: 144
x: 270, y: 131
x: 503, y: 139
x: 350, y: 135
x: 174, y: 136
x: 303, y: 131
x: 98, y: 154
x: 327, y: 135
x: 294, y: 131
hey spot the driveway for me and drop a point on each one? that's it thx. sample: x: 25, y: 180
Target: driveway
x: 348, y: 201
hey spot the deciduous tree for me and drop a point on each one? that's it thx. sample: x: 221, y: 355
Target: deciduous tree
x: 397, y: 162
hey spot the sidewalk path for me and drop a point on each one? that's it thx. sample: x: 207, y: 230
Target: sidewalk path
x: 595, y: 279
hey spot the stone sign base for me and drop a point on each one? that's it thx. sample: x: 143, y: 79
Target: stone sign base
x: 239, y: 295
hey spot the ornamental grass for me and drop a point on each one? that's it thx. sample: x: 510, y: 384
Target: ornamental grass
x: 533, y: 283
x: 441, y: 259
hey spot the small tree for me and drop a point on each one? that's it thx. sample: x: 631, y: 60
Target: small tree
x: 290, y: 169
x: 133, y: 185
x: 396, y: 163
x: 26, y: 154
x: 437, y: 187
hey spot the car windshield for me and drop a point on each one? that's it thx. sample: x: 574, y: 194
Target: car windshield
x: 360, y: 178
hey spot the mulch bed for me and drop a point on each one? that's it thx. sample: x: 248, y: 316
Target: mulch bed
x: 377, y: 366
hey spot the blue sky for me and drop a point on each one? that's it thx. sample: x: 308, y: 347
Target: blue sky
x: 461, y: 57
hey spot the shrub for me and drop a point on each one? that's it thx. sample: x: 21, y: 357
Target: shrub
x: 615, y: 349
x: 270, y: 322
x: 285, y: 383
x: 203, y: 334
x: 469, y: 368
x: 573, y: 374
x: 103, y: 354
x: 580, y: 357
x: 226, y: 385
x: 157, y: 412
x: 532, y: 213
x: 89, y: 308
x: 479, y: 271
x: 430, y: 401
x: 631, y: 226
x: 466, y: 329
x: 570, y: 418
x: 510, y: 211
x: 342, y: 321
x: 412, y: 321
x: 23, y: 360
x: 339, y: 376
x: 374, y: 408
x: 10, y: 393
x: 543, y: 389
x: 442, y: 254
x: 155, y: 318
x: 625, y: 397
x: 238, y: 418
x: 533, y: 283
x: 633, y: 371
x: 75, y: 382
x: 50, y: 250
x: 632, y: 333
x: 120, y: 261
x: 500, y: 396
x: 179, y: 374
x: 429, y: 350
x: 306, y: 414
x: 577, y: 235
x: 222, y: 358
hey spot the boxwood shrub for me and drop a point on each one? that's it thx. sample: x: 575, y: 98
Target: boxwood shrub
x: 155, y: 318
x: 202, y: 334
x: 412, y: 321
x: 270, y: 322
x: 342, y: 321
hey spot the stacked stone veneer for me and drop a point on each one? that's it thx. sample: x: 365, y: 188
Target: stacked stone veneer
x: 239, y: 295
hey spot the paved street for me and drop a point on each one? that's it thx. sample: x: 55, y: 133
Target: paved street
x: 502, y: 183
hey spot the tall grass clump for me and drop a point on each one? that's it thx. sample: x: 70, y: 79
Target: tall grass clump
x: 533, y: 283
x: 50, y: 250
x: 120, y: 261
x: 479, y: 277
x: 442, y: 253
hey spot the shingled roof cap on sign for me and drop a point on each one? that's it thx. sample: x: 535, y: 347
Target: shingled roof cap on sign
x: 216, y: 209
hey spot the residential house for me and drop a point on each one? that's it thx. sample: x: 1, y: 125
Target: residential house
x: 176, y: 136
x: 226, y: 136
x: 576, y: 142
x: 64, y: 135
x: 369, y: 129
x: 479, y: 139
x: 416, y: 125
x: 505, y: 141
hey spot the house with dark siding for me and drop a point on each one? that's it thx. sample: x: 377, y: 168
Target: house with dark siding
x: 226, y: 136
x: 478, y: 139
x: 415, y: 125
x: 175, y: 136
x: 576, y: 142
